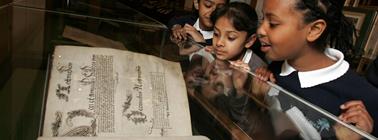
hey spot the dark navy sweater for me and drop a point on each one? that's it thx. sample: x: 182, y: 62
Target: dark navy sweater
x: 331, y: 95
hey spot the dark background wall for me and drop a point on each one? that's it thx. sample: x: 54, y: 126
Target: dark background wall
x: 3, y: 2
x: 5, y: 69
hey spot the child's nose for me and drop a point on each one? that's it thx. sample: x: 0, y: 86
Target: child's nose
x: 219, y: 43
x: 261, y: 31
x: 259, y: 36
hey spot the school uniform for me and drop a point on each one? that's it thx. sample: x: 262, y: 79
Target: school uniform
x: 194, y: 21
x: 372, y: 73
x: 327, y: 88
x: 253, y: 60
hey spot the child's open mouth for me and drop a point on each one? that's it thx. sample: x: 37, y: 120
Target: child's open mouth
x: 265, y: 47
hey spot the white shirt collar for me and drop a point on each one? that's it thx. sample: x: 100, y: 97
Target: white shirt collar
x: 316, y: 77
x: 247, y: 56
x: 205, y: 34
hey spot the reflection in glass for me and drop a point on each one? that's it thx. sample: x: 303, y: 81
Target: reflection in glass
x: 274, y: 114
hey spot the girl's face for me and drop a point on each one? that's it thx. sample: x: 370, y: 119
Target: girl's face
x: 282, y: 32
x: 228, y: 42
x: 205, y: 8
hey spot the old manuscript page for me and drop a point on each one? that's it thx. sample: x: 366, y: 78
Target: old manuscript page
x: 108, y: 92
x: 127, y: 138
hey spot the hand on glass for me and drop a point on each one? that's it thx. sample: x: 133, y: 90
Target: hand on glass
x: 260, y: 87
x: 182, y: 33
x: 191, y: 31
x: 178, y: 33
x: 354, y: 112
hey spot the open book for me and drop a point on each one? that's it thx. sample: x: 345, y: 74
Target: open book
x: 113, y: 93
x: 128, y: 138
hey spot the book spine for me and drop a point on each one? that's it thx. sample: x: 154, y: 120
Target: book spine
x: 372, y: 39
x: 346, y: 3
x: 356, y: 2
x: 369, y: 32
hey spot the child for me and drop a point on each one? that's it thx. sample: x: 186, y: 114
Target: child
x: 235, y: 26
x: 197, y: 27
x: 234, y: 34
x: 297, y: 32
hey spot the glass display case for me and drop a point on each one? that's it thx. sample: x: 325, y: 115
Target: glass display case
x: 253, y: 109
x: 29, y: 33
x: 117, y: 22
x: 31, y: 30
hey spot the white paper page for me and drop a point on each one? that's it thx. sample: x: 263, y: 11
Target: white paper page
x: 108, y: 92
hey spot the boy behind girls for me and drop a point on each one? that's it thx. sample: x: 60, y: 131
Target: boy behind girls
x: 197, y: 26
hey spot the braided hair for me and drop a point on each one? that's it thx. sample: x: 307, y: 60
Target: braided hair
x: 339, y: 31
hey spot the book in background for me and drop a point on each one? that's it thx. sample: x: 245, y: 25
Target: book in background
x: 363, y: 20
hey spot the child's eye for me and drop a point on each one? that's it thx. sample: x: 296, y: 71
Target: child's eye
x: 231, y: 38
x: 208, y: 4
x: 215, y: 34
x: 273, y: 25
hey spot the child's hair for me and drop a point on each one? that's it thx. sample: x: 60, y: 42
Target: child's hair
x: 224, y: 0
x: 242, y: 16
x: 339, y: 31
x: 196, y: 2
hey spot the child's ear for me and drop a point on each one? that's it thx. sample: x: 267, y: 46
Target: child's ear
x: 316, y: 29
x: 250, y: 41
x: 195, y: 3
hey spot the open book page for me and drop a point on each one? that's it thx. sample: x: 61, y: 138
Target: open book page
x: 108, y: 92
x: 127, y: 138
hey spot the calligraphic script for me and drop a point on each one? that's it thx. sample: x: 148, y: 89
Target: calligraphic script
x: 109, y: 92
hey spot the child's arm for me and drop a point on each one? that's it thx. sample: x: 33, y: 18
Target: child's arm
x: 259, y: 86
x: 355, y: 112
x: 194, y: 35
x: 178, y: 33
x: 176, y: 25
x: 190, y: 30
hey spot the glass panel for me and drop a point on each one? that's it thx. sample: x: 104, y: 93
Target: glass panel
x: 27, y: 39
x: 30, y: 32
x: 108, y: 9
x: 65, y: 28
x: 222, y: 91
